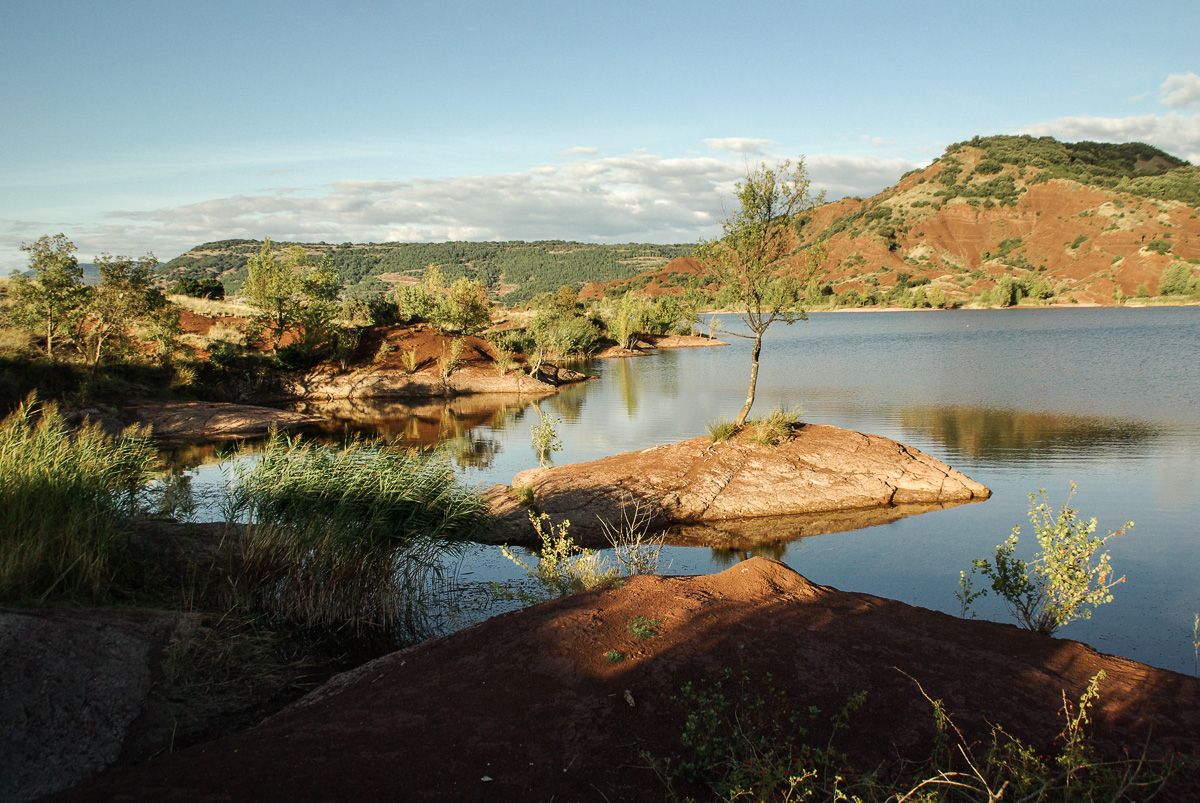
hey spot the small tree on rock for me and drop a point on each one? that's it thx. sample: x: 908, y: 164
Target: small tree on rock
x: 749, y: 258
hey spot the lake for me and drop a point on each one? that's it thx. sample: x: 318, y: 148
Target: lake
x: 1017, y: 399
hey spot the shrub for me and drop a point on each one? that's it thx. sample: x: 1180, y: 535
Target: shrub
x: 346, y: 538
x: 209, y: 287
x: 545, y: 438
x: 65, y: 500
x: 562, y: 567
x: 463, y: 308
x: 1177, y: 280
x: 1066, y: 580
x: 1159, y: 247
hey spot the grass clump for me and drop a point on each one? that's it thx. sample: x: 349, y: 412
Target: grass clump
x: 775, y: 427
x: 723, y: 430
x: 65, y: 501
x: 346, y: 538
x: 614, y: 656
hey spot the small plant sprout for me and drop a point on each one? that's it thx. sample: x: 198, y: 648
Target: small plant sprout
x: 545, y: 438
x: 643, y: 627
x: 408, y: 358
x: 1065, y: 581
x: 614, y: 656
x: 967, y: 593
x: 633, y: 548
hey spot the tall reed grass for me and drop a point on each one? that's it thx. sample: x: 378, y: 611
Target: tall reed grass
x: 65, y: 499
x: 346, y: 539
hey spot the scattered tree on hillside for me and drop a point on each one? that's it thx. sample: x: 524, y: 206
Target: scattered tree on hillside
x: 749, y: 257
x: 52, y: 301
x: 1177, y: 280
x: 463, y: 308
x: 270, y: 283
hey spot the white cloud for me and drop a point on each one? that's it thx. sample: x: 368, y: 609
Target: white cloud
x: 638, y: 196
x: 1181, y: 90
x: 1177, y: 134
x: 743, y: 145
x: 580, y: 150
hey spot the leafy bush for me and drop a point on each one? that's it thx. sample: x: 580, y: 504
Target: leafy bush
x: 562, y: 566
x: 1159, y: 246
x: 65, y: 500
x: 1177, y: 280
x: 198, y: 287
x: 1066, y: 580
x: 346, y: 539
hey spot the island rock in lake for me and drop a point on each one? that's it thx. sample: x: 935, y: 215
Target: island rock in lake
x: 817, y: 469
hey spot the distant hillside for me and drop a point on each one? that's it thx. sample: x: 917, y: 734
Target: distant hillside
x: 515, y: 271
x: 1089, y: 222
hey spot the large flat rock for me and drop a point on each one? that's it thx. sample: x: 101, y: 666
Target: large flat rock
x: 186, y: 421
x: 818, y: 470
x: 525, y: 706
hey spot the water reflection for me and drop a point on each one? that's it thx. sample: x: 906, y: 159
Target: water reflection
x: 770, y: 535
x: 1012, y: 435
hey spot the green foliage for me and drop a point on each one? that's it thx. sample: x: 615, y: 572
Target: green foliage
x: 545, y: 438
x: 757, y: 239
x: 1068, y: 577
x: 775, y: 427
x: 1178, y: 280
x: 463, y: 308
x: 270, y: 283
x: 522, y: 269
x: 745, y: 738
x: 345, y: 539
x: 125, y: 297
x: 614, y: 656
x: 1159, y: 246
x: 643, y: 627
x: 52, y: 302
x: 723, y: 430
x: 65, y: 501
x: 1078, y: 241
x: 206, y: 286
x: 562, y: 567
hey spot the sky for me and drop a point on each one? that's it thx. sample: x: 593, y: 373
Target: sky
x: 137, y: 126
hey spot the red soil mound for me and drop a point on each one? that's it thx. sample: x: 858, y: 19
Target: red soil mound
x: 526, y: 707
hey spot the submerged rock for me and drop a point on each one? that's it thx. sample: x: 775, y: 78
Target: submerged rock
x: 817, y: 470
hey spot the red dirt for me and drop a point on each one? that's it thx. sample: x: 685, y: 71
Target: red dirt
x: 525, y: 706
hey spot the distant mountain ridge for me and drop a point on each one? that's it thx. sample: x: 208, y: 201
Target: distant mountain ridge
x: 1085, y: 222
x: 514, y: 271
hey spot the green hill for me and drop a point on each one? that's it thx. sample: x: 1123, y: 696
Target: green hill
x: 514, y: 271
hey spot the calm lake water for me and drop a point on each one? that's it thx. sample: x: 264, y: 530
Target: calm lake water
x: 1017, y: 399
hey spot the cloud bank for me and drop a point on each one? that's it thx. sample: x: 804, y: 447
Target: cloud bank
x: 637, y: 196
x: 1175, y: 132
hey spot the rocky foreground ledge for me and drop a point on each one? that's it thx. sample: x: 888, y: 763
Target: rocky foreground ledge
x: 816, y: 471
x: 531, y: 705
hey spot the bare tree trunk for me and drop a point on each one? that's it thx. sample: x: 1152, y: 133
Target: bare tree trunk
x: 754, y: 355
x: 50, y: 339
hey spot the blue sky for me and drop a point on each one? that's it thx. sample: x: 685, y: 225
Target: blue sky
x: 135, y: 126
